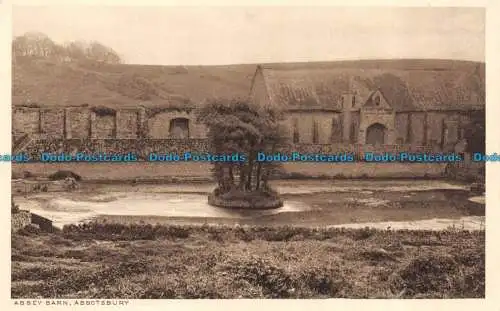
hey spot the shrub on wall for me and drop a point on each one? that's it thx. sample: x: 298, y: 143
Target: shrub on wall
x: 60, y: 175
x: 151, y: 112
x: 33, y: 105
x: 103, y: 111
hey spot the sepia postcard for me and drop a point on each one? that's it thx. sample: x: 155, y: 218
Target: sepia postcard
x: 224, y: 155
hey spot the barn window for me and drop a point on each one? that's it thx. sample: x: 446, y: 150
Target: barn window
x: 377, y: 100
x: 353, y: 135
x: 179, y: 128
x: 315, y: 133
x: 336, y: 133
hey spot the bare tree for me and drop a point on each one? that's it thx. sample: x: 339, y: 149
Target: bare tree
x: 33, y: 44
x: 36, y: 44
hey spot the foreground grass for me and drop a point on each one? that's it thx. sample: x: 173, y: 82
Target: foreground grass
x: 145, y: 261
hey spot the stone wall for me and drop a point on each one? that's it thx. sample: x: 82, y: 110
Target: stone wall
x: 24, y: 218
x: 73, y: 129
x: 308, y: 124
x: 143, y: 147
x: 103, y: 126
x: 20, y: 220
x: 84, y: 122
x: 127, y: 123
x: 43, y: 223
x: 415, y: 128
x: 52, y: 121
x: 77, y: 123
x: 25, y: 120
x: 401, y: 128
x: 159, y: 124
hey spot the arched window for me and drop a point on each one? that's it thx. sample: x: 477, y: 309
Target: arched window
x: 179, y: 128
x: 377, y: 100
x: 375, y: 134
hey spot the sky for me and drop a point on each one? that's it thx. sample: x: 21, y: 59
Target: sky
x: 235, y: 35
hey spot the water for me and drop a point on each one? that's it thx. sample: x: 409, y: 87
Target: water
x: 349, y: 203
x: 65, y: 210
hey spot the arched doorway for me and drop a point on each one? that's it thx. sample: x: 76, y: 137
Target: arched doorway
x: 179, y: 128
x: 375, y: 134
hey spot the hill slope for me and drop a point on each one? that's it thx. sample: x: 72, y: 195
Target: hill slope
x: 47, y: 83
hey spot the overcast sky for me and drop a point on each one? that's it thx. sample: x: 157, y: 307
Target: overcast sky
x: 211, y: 36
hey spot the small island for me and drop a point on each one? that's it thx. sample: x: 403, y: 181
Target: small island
x: 241, y: 127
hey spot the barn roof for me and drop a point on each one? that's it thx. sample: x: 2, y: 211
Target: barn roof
x: 415, y: 89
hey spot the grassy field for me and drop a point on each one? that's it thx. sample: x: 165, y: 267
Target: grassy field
x: 47, y: 83
x: 145, y: 261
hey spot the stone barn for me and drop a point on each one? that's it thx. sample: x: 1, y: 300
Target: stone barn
x: 332, y: 107
x: 373, y: 106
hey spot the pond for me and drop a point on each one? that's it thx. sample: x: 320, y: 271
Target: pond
x: 403, y: 204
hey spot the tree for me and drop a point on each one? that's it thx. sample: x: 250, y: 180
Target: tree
x: 101, y: 53
x: 36, y: 44
x: 75, y: 50
x: 238, y: 126
x: 33, y: 44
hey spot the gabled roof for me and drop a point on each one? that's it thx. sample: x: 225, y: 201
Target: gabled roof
x: 415, y: 89
x: 371, y: 101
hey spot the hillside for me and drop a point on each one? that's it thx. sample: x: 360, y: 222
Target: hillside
x: 47, y: 83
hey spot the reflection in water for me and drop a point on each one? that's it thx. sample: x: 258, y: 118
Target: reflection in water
x: 479, y: 199
x: 65, y: 211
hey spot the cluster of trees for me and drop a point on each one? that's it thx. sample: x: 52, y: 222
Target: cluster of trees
x: 238, y: 126
x: 35, y: 44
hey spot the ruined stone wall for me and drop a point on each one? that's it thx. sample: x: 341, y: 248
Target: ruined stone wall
x: 74, y: 129
x: 52, y: 122
x: 142, y: 148
x: 159, y: 124
x: 84, y: 122
x: 127, y: 123
x: 77, y: 122
x: 25, y: 120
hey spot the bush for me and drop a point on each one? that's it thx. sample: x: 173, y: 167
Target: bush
x: 30, y: 230
x: 14, y: 207
x: 61, y: 175
x: 429, y: 275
